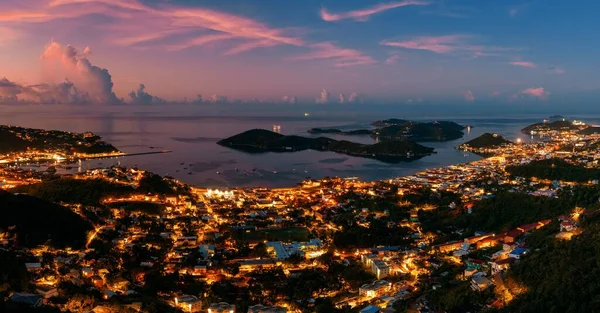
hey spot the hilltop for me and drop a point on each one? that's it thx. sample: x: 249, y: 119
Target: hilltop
x: 260, y: 140
x: 487, y: 140
x: 36, y: 221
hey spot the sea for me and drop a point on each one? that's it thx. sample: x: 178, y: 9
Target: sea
x: 191, y: 132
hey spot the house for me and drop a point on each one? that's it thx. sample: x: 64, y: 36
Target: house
x: 449, y: 246
x: 480, y: 283
x: 474, y: 263
x: 512, y: 235
x: 259, y: 308
x: 529, y: 227
x: 375, y: 289
x: 247, y: 265
x: 367, y: 259
x: 207, y: 250
x: 221, y: 307
x: 33, y: 267
x: 518, y: 253
x: 380, y: 269
x: 567, y: 226
x: 47, y: 291
x: 26, y: 299
x: 370, y: 309
x: 500, y: 265
x: 475, y: 239
x: 487, y: 242
x: 188, y: 303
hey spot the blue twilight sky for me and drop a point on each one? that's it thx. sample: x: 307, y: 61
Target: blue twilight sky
x: 301, y: 51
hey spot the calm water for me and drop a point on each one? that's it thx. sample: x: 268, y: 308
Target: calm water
x: 191, y: 133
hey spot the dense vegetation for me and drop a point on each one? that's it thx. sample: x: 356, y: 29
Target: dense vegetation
x: 554, y: 169
x: 35, y: 221
x: 487, y: 140
x: 562, y: 276
x: 260, y: 140
x: 589, y: 131
x: 69, y: 190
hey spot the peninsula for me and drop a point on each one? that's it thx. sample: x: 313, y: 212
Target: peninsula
x: 390, y: 151
x: 548, y: 128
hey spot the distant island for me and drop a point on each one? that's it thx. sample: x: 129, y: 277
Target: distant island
x: 15, y: 139
x: 485, y: 144
x: 390, y: 151
x: 391, y: 129
x: 422, y: 131
x: 335, y: 131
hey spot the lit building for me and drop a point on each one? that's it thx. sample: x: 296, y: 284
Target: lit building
x: 259, y: 308
x: 188, y: 303
x: 221, y: 307
x: 375, y: 289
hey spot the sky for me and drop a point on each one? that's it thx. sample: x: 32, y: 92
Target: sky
x: 464, y: 52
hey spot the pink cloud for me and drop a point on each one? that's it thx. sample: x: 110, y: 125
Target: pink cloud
x: 555, y: 70
x: 495, y: 93
x: 342, y: 57
x: 523, y: 64
x: 447, y: 44
x: 538, y: 92
x: 133, y: 23
x: 437, y: 44
x: 363, y: 15
x: 393, y: 59
x: 469, y: 96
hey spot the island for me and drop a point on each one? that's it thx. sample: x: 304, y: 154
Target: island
x: 390, y: 122
x: 394, y: 128
x: 335, y: 131
x: 390, y: 151
x: 485, y: 144
x: 422, y: 131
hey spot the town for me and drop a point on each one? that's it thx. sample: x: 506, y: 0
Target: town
x: 139, y: 242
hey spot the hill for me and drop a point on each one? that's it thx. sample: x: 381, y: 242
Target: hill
x: 554, y: 169
x: 19, y: 139
x: 260, y: 140
x: 487, y: 141
x: 75, y: 191
x: 36, y: 221
x: 589, y: 131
